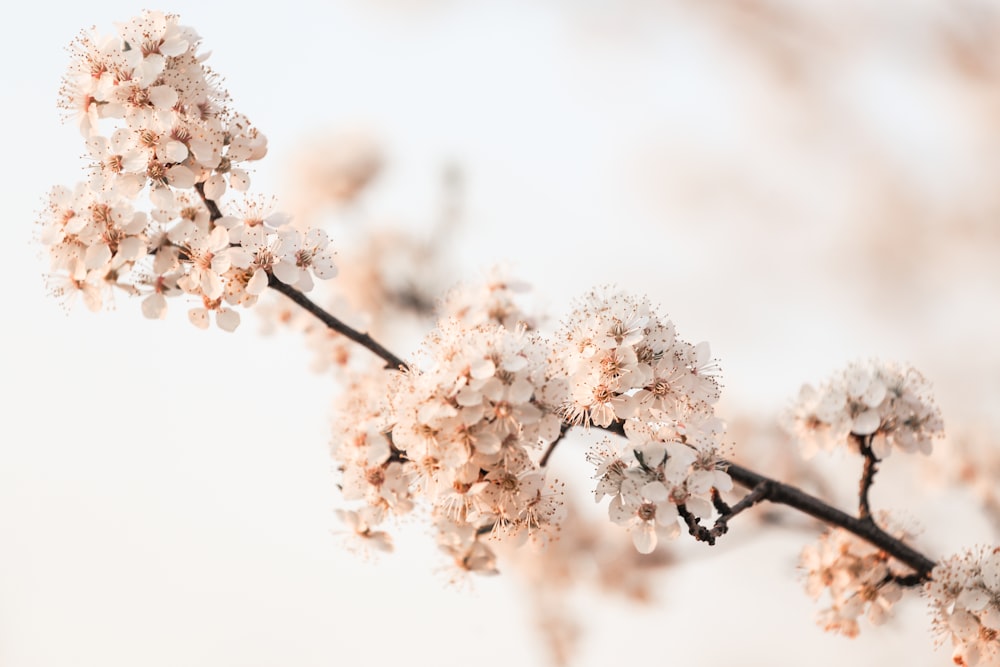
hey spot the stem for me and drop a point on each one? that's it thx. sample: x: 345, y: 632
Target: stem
x: 699, y: 532
x: 867, y: 476
x: 720, y: 505
x: 695, y: 529
x: 552, y: 446
x: 363, y: 339
x: 757, y: 495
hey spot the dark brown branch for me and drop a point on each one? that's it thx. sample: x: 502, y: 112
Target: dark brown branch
x: 703, y: 534
x: 791, y: 496
x: 867, y: 476
x: 720, y: 505
x: 362, y: 339
x: 757, y: 495
x: 693, y: 523
x: 785, y: 494
x: 551, y: 448
x: 905, y: 580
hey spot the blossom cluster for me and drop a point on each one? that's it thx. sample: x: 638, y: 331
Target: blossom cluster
x: 492, y: 300
x: 164, y: 149
x: 964, y: 592
x: 371, y: 466
x: 888, y: 404
x: 858, y: 578
x: 464, y: 432
x: 622, y: 360
x: 662, y: 470
x: 623, y: 363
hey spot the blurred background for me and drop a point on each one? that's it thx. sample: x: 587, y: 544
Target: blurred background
x: 802, y: 184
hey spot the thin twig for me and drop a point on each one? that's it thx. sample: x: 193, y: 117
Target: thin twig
x: 552, y: 446
x: 720, y: 505
x: 695, y: 529
x: 867, y: 476
x: 362, y: 339
x: 757, y: 495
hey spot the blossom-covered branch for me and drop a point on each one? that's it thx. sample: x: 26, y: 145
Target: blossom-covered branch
x: 762, y: 488
x: 466, y: 427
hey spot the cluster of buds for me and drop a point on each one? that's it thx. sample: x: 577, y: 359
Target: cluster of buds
x: 165, y: 148
x: 886, y: 402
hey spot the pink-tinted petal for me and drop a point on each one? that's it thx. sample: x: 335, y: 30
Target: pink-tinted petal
x: 866, y: 423
x: 97, y: 256
x: 181, y: 177
x: 239, y: 180
x: 154, y: 306
x: 644, y: 537
x: 258, y: 283
x: 324, y: 267
x: 215, y: 187
x: 286, y: 272
x: 227, y: 319
x: 198, y: 317
x: 176, y: 151
x: 163, y: 97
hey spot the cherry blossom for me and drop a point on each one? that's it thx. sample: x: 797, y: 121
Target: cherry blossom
x: 858, y: 579
x: 964, y: 592
x: 886, y: 402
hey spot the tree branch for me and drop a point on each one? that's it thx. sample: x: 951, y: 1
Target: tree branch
x: 761, y: 487
x: 791, y: 496
x: 362, y: 339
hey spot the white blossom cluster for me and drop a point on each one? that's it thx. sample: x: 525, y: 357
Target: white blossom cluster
x: 622, y: 360
x: 886, y: 402
x: 165, y: 148
x: 623, y: 363
x: 372, y: 468
x: 493, y: 300
x: 463, y: 432
x: 964, y: 592
x: 856, y: 577
x: 663, y: 466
